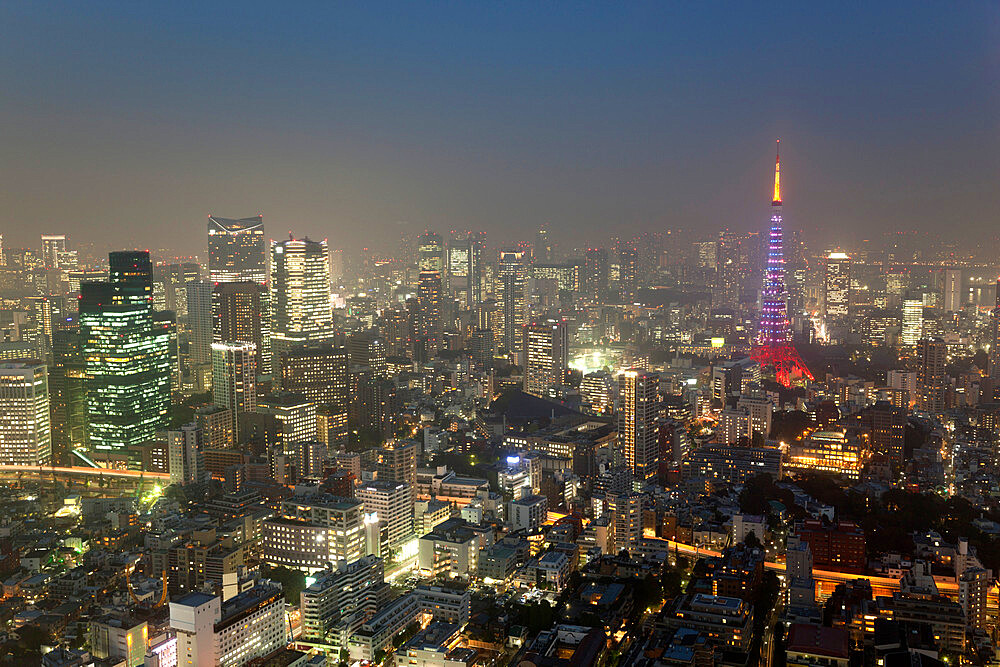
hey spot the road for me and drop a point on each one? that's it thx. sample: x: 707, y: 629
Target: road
x: 73, y: 471
x: 829, y: 576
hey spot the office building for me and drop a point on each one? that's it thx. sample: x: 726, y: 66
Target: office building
x: 546, y: 356
x: 341, y: 592
x: 397, y: 462
x: 296, y: 416
x: 199, y: 322
x: 234, y: 380
x: 732, y: 464
x: 427, y: 317
x: 25, y: 428
x: 53, y: 248
x: 217, y: 426
x: 236, y: 250
x: 932, y: 379
x: 451, y: 550
x: 120, y: 639
x: 953, y: 297
x: 66, y: 392
x: 913, y: 321
x: 528, y: 513
x: 430, y: 253
x: 127, y: 356
x: 637, y: 412
x: 391, y: 502
x: 239, y: 315
x: 839, y: 547
x: 367, y: 350
x: 837, y: 286
x: 759, y: 410
x: 185, y: 450
x: 511, y: 282
x: 342, y: 521
x: 211, y: 632
x: 301, y: 306
x: 320, y: 374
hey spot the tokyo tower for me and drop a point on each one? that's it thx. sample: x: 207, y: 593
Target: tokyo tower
x: 774, y: 345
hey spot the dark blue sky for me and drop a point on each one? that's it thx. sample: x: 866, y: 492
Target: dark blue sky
x: 129, y: 123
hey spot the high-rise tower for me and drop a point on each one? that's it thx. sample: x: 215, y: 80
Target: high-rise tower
x: 774, y: 346
x: 236, y: 249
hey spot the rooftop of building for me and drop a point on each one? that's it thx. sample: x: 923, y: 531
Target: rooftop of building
x: 194, y: 599
x: 435, y: 637
x: 818, y: 640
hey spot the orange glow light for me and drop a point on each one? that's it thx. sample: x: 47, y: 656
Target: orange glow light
x: 777, y: 173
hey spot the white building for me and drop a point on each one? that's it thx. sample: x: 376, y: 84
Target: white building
x: 184, y: 451
x: 339, y: 593
x: 451, y: 549
x: 391, y: 502
x: 234, y: 379
x: 25, y: 429
x: 210, y: 632
x: 528, y: 513
x: 450, y: 602
x: 913, y: 321
x: 342, y: 519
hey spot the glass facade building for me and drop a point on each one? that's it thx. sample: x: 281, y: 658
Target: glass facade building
x: 127, y: 356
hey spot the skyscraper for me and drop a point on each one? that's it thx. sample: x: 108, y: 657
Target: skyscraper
x: 543, y: 245
x: 595, y: 271
x: 236, y: 250
x: 430, y: 252
x: 53, y: 246
x: 199, y: 322
x: 301, y: 307
x: 952, y: 290
x: 637, y: 436
x: 465, y: 270
x: 427, y: 324
x: 512, y: 276
x: 127, y: 356
x: 67, y: 391
x: 320, y: 373
x: 913, y: 321
x: 628, y: 269
x: 25, y: 429
x: 837, y: 287
x: 546, y: 355
x: 932, y: 380
x: 237, y: 317
x: 234, y: 380
x: 994, y: 340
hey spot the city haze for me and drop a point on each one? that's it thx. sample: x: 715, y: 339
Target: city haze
x: 127, y: 125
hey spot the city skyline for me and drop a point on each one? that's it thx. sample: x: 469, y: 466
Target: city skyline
x: 641, y: 118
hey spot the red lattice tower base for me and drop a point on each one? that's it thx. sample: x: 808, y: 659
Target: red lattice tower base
x: 784, y: 358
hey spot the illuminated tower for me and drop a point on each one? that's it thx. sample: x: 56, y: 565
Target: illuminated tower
x: 301, y: 310
x: 774, y: 346
x: 236, y: 249
x: 637, y: 438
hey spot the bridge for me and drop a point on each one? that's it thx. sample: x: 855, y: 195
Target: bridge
x: 83, y: 474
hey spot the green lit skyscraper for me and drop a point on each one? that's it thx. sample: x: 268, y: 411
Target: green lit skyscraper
x: 126, y: 356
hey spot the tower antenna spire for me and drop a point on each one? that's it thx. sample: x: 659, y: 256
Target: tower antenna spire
x: 774, y: 340
x: 777, y: 172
